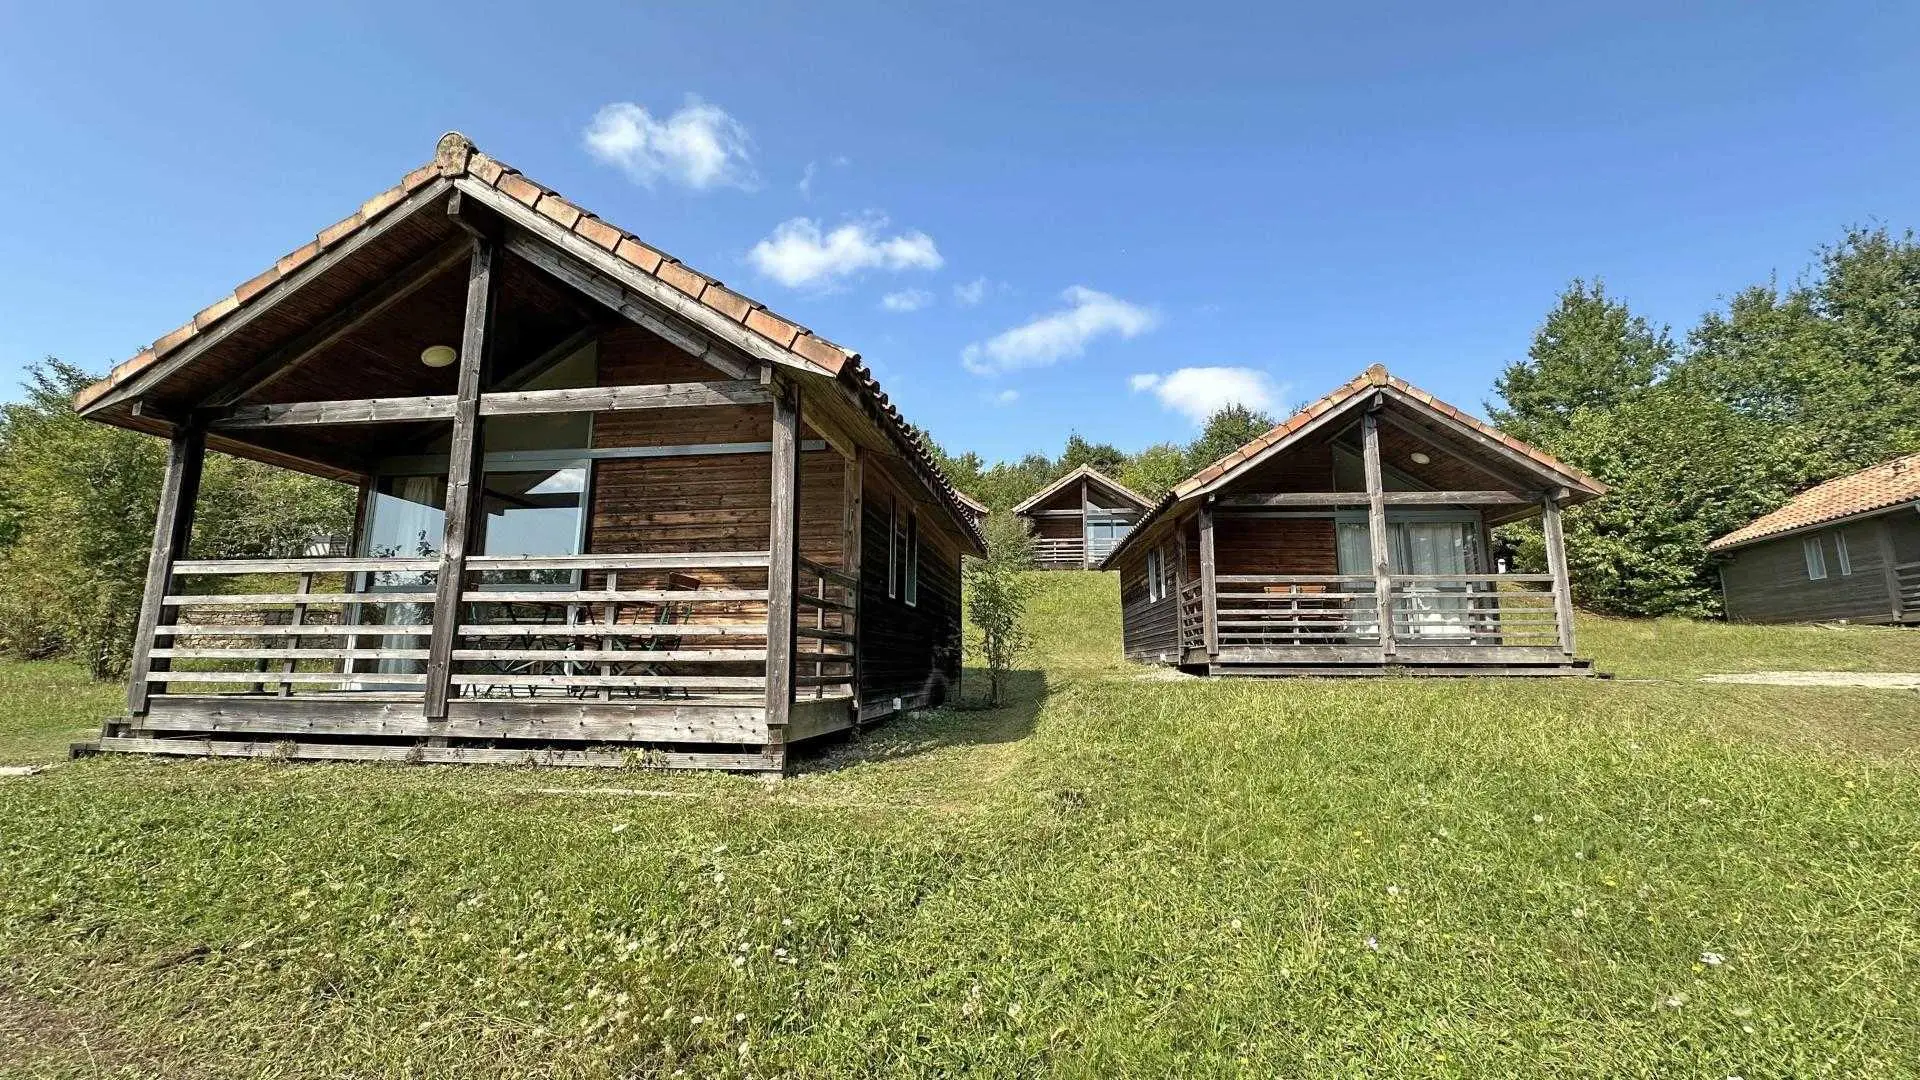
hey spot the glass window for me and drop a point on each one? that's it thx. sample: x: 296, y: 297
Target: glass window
x: 532, y: 512
x: 1841, y: 556
x: 1156, y: 576
x: 893, y: 548
x: 1816, y: 558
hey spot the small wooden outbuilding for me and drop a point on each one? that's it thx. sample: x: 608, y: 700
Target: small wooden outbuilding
x: 1352, y: 540
x: 1078, y: 519
x: 610, y: 509
x: 1847, y: 549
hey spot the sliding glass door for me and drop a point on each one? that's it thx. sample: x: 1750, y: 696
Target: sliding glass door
x: 1426, y: 609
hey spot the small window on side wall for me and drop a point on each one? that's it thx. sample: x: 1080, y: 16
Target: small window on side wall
x: 1156, y: 576
x: 913, y: 559
x: 893, y: 548
x: 1840, y: 556
x: 1816, y: 558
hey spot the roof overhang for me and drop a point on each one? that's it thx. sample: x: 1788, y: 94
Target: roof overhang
x: 1091, y: 475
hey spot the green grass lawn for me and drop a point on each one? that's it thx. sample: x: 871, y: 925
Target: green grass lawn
x: 1111, y: 876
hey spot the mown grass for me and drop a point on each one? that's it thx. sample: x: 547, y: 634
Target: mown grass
x: 1109, y: 877
x: 46, y: 706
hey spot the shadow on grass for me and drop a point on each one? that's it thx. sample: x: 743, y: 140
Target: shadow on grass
x: 959, y: 722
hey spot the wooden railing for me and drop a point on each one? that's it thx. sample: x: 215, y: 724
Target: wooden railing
x: 642, y: 627
x: 826, y: 610
x: 1296, y: 609
x: 1475, y: 609
x: 1193, y: 617
x: 1053, y: 552
x: 287, y: 623
x: 1907, y: 579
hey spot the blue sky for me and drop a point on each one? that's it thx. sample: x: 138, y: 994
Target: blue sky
x: 1084, y: 199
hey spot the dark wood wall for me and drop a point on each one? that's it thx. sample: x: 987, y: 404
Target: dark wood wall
x: 1150, y: 629
x: 1767, y: 582
x: 909, y: 652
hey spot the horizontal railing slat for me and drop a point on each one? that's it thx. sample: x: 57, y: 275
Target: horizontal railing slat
x: 631, y: 596
x: 281, y: 599
x: 718, y: 560
x: 316, y: 565
x: 722, y: 682
x: 271, y: 677
x: 617, y: 656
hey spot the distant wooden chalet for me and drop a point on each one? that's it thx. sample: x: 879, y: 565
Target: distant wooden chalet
x: 977, y: 511
x: 1846, y: 549
x: 610, y: 510
x: 1076, y: 520
x: 1352, y: 540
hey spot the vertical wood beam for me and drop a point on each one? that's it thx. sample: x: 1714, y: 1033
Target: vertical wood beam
x: 782, y: 540
x: 853, y: 497
x: 1888, y: 560
x: 1557, y: 566
x: 1377, y: 529
x: 463, y: 474
x: 1086, y: 526
x: 1209, y: 588
x: 172, y: 529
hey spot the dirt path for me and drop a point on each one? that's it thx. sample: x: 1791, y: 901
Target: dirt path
x: 1877, y: 680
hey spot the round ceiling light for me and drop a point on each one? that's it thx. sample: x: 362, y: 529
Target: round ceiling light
x: 439, y: 355
x: 1419, y: 458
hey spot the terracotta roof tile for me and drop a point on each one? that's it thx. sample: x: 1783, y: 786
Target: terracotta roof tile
x: 419, y: 177
x: 485, y: 169
x: 636, y: 254
x: 597, y: 232
x: 214, y: 312
x: 726, y: 301
x: 680, y: 277
x: 251, y: 287
x: 168, y: 341
x: 820, y: 351
x: 519, y: 188
x: 772, y: 327
x: 1889, y: 483
x: 558, y: 210
x: 382, y: 202
x: 295, y: 259
x: 340, y: 230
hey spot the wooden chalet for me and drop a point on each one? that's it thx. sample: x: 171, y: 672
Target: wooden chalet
x: 1076, y: 520
x: 1352, y: 540
x: 611, y: 511
x: 1845, y: 550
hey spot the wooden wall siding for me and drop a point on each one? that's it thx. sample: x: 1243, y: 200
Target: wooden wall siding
x: 1767, y: 582
x: 1067, y: 498
x: 1905, y: 525
x: 906, y: 651
x: 1308, y: 467
x: 1058, y: 528
x: 1250, y: 545
x: 1150, y: 629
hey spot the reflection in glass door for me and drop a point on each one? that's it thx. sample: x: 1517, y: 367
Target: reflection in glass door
x: 1433, y: 609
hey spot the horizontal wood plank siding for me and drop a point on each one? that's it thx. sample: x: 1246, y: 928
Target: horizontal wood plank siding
x: 906, y: 651
x: 1248, y: 545
x: 1767, y: 582
x: 1149, y: 628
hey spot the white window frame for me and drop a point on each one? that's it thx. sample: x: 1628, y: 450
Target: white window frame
x: 1842, y: 557
x: 1156, y: 576
x: 1815, y: 557
x: 893, y: 548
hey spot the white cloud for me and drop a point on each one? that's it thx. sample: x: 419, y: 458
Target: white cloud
x: 1052, y: 337
x: 906, y: 300
x: 806, y: 178
x: 1197, y: 392
x: 969, y: 293
x: 699, y: 147
x: 798, y: 253
x: 1006, y: 397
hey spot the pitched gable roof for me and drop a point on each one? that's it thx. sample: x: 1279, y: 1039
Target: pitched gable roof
x: 1877, y: 487
x: 1348, y: 396
x: 702, y: 300
x: 1090, y: 473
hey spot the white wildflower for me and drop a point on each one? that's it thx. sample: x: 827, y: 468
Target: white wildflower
x: 1675, y: 1001
x: 620, y: 828
x: 1539, y: 818
x: 1393, y: 890
x: 1712, y: 959
x: 1373, y: 943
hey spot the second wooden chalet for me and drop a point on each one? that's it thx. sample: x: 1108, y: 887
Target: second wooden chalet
x: 1076, y: 520
x: 1352, y: 540
x: 611, y: 511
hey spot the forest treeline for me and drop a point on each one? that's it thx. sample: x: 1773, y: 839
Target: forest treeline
x: 1778, y: 387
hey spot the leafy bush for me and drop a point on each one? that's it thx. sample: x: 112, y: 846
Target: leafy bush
x: 997, y: 588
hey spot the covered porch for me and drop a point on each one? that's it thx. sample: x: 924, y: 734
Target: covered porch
x: 1356, y: 539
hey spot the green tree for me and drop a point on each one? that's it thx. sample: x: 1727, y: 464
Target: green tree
x: 1153, y: 472
x: 997, y: 588
x: 1229, y: 428
x: 1591, y: 353
x: 1101, y: 457
x: 77, y: 502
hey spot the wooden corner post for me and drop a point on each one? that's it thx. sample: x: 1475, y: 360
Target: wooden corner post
x: 1377, y: 528
x: 172, y: 528
x: 463, y: 473
x: 1557, y: 566
x: 1209, y: 588
x: 782, y: 540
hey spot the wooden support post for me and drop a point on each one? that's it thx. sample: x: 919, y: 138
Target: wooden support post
x: 1896, y: 606
x: 1209, y: 588
x: 1557, y: 566
x: 1086, y: 526
x: 172, y: 528
x: 855, y: 484
x: 782, y: 539
x: 463, y: 475
x: 1377, y: 530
